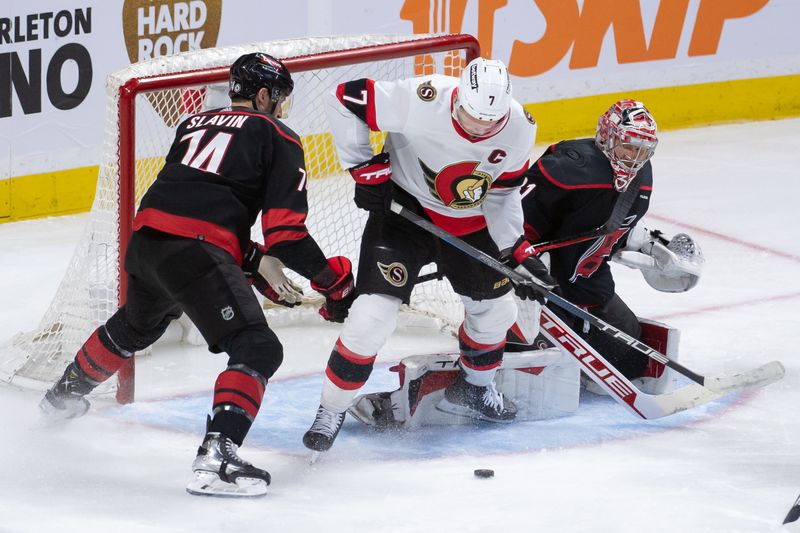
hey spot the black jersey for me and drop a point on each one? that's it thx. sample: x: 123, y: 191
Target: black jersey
x: 574, y: 193
x: 224, y: 167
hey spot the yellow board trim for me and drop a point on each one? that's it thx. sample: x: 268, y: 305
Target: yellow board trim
x: 60, y: 192
x: 675, y: 107
x: 72, y: 191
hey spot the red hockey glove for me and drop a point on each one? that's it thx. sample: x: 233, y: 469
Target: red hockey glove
x: 372, y: 183
x: 339, y: 294
x: 524, y: 256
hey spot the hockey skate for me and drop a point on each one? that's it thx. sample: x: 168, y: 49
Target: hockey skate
x: 480, y: 403
x: 65, y: 399
x: 219, y: 471
x: 319, y: 438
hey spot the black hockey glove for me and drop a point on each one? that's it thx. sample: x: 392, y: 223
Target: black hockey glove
x: 525, y: 261
x: 338, y: 288
x: 372, y: 183
x: 252, y: 258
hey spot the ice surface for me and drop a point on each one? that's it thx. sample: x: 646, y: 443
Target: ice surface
x: 731, y: 466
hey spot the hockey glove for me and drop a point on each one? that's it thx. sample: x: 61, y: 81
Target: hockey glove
x: 524, y: 259
x: 274, y: 285
x: 673, y: 265
x: 372, y: 183
x: 340, y: 293
x: 265, y: 273
x: 252, y: 258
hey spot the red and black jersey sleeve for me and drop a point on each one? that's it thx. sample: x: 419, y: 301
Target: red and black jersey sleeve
x: 358, y: 96
x: 285, y: 207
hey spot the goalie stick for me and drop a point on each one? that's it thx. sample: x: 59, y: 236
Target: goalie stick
x: 620, y: 388
x: 757, y: 377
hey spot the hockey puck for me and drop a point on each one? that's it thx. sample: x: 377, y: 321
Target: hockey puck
x: 484, y: 473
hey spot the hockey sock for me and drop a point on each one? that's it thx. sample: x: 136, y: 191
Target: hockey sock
x: 347, y: 372
x: 479, y: 361
x: 99, y: 357
x: 237, y: 398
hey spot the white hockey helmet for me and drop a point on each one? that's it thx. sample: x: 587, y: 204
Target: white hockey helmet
x: 484, y: 93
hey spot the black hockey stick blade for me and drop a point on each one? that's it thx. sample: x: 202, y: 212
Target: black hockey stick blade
x: 794, y: 512
x: 761, y: 376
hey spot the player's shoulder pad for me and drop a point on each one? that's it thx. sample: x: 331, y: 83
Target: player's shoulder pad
x: 645, y: 176
x: 429, y: 88
x: 576, y: 164
x: 521, y: 120
x: 277, y: 128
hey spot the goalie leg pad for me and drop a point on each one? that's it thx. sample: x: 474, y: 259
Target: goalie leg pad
x: 656, y: 378
x: 375, y: 410
x: 542, y: 384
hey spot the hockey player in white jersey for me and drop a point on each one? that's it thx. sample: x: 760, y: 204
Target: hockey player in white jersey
x: 455, y: 152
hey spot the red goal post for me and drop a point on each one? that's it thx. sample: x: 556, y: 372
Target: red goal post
x: 145, y: 102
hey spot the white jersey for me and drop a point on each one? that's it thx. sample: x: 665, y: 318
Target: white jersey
x: 463, y: 183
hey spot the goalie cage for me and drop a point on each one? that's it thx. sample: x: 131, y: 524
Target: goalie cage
x: 145, y: 102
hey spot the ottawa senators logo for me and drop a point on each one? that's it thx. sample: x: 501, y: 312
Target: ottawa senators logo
x: 395, y: 273
x: 458, y: 186
x: 426, y: 92
x: 529, y: 117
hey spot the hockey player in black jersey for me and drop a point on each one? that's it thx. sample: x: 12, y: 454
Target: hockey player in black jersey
x: 191, y: 252
x: 583, y: 184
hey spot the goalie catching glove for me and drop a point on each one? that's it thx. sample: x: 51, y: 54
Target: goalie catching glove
x: 372, y: 183
x: 673, y: 265
x: 524, y: 259
x: 265, y: 273
x: 337, y: 286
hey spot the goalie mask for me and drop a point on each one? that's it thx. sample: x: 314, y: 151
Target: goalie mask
x: 483, y: 100
x: 626, y: 134
x: 253, y: 71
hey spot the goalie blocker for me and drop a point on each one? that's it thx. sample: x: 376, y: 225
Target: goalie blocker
x: 543, y: 383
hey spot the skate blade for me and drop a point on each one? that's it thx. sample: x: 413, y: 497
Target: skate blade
x: 444, y: 406
x: 71, y: 410
x: 313, y: 457
x: 209, y: 484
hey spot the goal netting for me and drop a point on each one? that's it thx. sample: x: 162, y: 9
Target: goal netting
x: 145, y: 102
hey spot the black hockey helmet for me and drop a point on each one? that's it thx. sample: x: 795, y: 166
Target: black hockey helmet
x: 253, y: 71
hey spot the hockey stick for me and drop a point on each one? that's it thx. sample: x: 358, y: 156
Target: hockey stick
x: 620, y: 388
x: 758, y: 377
x: 540, y: 247
x: 621, y: 208
x: 794, y: 512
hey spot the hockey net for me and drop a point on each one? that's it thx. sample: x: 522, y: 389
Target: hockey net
x: 145, y: 102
